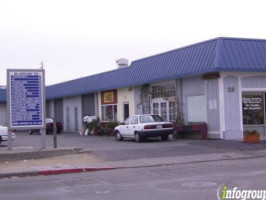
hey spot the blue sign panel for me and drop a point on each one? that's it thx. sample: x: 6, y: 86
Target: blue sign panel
x: 26, y: 99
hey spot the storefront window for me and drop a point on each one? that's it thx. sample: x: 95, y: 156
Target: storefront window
x: 253, y: 108
x: 164, y: 89
x: 164, y: 100
x: 156, y: 108
x: 109, y: 105
x: 109, y: 113
x: 172, y: 111
x: 165, y: 109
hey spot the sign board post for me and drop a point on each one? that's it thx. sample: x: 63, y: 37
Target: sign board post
x: 55, y: 133
x: 26, y: 101
x: 43, y: 138
x: 9, y: 139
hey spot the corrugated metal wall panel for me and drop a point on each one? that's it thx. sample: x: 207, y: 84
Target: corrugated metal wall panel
x: 253, y: 82
x: 192, y: 86
x: 232, y: 109
x: 58, y: 109
x: 3, y: 111
x: 213, y: 114
x: 88, y: 104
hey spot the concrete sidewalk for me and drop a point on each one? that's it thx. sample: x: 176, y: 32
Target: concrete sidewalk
x: 23, y: 162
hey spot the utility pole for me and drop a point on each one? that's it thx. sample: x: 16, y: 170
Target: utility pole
x: 41, y: 65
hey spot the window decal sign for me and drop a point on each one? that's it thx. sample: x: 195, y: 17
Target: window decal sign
x: 253, y: 108
x: 252, y: 103
x: 109, y: 97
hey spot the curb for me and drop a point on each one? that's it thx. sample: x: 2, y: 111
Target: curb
x: 19, y: 174
x: 73, y: 170
x: 54, y: 172
x: 186, y: 162
x: 14, y: 156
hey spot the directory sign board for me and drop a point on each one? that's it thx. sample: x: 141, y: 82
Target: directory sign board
x: 25, y: 99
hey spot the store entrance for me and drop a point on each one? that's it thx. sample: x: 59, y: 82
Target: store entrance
x: 165, y: 109
x: 253, y: 105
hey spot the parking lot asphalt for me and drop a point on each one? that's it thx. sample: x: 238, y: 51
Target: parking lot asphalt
x: 77, y: 153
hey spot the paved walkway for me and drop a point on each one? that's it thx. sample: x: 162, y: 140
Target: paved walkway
x: 28, y: 162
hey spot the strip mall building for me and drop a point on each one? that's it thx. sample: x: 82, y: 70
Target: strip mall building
x: 221, y: 82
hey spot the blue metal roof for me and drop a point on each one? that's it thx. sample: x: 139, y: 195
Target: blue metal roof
x: 2, y: 96
x: 191, y: 60
x: 216, y: 55
x: 221, y: 54
x: 241, y: 55
x: 194, y: 59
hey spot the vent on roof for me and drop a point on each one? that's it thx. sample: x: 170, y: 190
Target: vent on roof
x: 122, y: 62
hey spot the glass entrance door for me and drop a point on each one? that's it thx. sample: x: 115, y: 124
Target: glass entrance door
x: 165, y: 109
x: 160, y: 108
x: 253, y: 104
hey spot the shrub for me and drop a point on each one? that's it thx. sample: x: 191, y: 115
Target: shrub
x: 251, y: 132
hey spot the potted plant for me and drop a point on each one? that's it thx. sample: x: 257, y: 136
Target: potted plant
x: 93, y: 127
x: 110, y: 128
x: 251, y: 136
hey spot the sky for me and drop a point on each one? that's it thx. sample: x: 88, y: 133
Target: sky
x: 78, y: 38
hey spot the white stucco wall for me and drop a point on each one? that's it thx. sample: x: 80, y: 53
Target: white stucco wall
x: 125, y: 95
x: 72, y: 103
x: 51, y: 108
x: 191, y: 87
